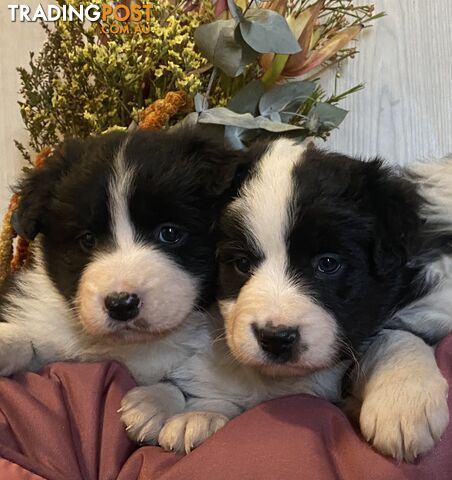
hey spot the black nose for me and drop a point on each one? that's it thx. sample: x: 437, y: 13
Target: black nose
x: 280, y: 342
x: 122, y: 306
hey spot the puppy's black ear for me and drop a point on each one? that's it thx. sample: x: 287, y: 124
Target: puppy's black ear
x: 220, y: 170
x: 224, y: 171
x: 397, y: 206
x: 37, y: 186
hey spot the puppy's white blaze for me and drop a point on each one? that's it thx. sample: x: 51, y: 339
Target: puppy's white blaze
x: 166, y: 291
x: 119, y: 190
x: 271, y: 297
x: 265, y: 202
x: 266, y: 208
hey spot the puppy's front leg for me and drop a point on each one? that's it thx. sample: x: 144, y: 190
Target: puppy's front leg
x: 144, y: 410
x: 16, y: 349
x: 402, y: 396
x: 202, y: 418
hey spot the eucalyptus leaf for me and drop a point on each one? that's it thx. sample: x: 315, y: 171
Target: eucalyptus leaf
x: 275, y: 117
x: 281, y: 96
x: 235, y: 10
x: 217, y: 41
x: 188, y: 121
x: 246, y: 100
x: 233, y: 138
x: 267, y: 31
x: 327, y: 116
x: 201, y: 103
x: 276, y: 127
x: 224, y: 116
x: 248, y: 54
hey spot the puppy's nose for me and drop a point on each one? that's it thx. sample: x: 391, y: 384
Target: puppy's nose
x: 122, y: 306
x: 279, y: 342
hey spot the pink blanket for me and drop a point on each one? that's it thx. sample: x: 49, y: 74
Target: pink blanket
x: 62, y: 424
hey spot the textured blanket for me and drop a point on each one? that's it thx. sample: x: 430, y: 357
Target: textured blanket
x: 62, y: 424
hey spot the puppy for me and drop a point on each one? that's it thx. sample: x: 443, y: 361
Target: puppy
x: 124, y: 257
x: 320, y: 257
x: 324, y: 256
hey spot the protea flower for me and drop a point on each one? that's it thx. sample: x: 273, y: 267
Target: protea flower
x: 319, y: 42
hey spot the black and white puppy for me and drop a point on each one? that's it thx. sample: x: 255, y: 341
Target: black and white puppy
x: 324, y: 258
x: 124, y: 257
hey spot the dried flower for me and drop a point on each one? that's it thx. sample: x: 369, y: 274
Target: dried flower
x: 85, y: 81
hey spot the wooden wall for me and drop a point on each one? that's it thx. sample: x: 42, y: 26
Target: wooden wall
x: 404, y: 113
x: 16, y: 41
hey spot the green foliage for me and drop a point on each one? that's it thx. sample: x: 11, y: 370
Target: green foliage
x: 246, y: 71
x: 85, y: 81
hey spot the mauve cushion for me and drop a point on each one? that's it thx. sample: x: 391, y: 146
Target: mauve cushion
x: 62, y: 424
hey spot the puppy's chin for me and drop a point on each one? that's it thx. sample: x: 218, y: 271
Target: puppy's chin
x: 133, y: 331
x: 284, y: 370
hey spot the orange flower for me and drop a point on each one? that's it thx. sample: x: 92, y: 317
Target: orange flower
x: 157, y: 115
x: 306, y: 28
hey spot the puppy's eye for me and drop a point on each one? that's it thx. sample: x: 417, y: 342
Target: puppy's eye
x: 243, y: 265
x: 327, y: 264
x: 170, y: 234
x: 87, y: 242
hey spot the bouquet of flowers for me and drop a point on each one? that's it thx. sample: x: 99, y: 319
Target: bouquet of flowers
x: 247, y: 67
x: 242, y: 68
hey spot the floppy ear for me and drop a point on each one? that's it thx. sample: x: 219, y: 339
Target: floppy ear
x: 219, y: 169
x: 36, y: 188
x: 397, y: 205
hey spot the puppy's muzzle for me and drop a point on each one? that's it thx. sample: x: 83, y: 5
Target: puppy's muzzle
x: 122, y: 306
x: 280, y: 343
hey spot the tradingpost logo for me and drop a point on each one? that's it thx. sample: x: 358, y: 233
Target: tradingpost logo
x: 113, y: 17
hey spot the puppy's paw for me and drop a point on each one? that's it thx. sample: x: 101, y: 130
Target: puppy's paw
x: 406, y: 422
x: 144, y: 410
x: 186, y: 431
x: 15, y: 357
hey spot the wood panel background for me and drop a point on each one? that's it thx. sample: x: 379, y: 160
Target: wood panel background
x: 404, y: 113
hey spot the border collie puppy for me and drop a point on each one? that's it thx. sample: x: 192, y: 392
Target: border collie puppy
x: 323, y: 258
x: 324, y: 255
x: 125, y: 258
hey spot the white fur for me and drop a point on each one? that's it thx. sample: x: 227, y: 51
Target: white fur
x: 186, y: 431
x: 219, y: 388
x: 264, y: 204
x: 400, y: 396
x: 148, y: 408
x: 431, y: 315
x: 265, y: 208
x: 120, y: 188
x: 43, y: 328
x: 166, y: 291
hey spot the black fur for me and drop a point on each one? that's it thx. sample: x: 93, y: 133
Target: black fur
x: 364, y: 213
x: 182, y: 178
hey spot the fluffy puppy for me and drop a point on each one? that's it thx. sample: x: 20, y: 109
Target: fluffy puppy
x: 124, y: 258
x: 321, y: 259
x: 323, y: 256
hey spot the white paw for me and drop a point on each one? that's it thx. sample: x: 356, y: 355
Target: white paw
x: 406, y: 422
x: 186, y: 431
x: 144, y: 410
x: 15, y: 357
